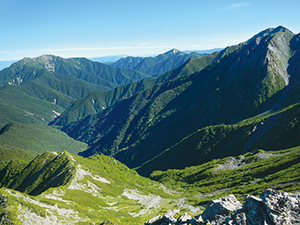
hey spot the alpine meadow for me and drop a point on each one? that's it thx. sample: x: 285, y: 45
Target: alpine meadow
x: 177, y: 138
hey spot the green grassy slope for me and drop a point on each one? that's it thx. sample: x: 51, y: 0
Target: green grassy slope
x: 9, y: 153
x: 45, y: 171
x: 12, y: 161
x: 38, y: 138
x: 15, y: 105
x: 241, y: 175
x: 100, y: 188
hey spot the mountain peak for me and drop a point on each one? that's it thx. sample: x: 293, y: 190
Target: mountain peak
x: 173, y: 51
x: 269, y: 31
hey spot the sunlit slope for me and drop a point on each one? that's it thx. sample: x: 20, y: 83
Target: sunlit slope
x: 38, y: 138
x: 75, y: 189
x: 242, y: 175
x: 71, y: 189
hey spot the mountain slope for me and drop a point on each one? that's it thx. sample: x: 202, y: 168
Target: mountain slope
x: 233, y: 88
x: 90, y: 191
x: 15, y: 105
x: 38, y: 138
x: 241, y: 175
x: 81, y: 68
x: 270, y: 131
x: 154, y: 66
x: 9, y: 153
x: 70, y: 189
x: 97, y: 101
x: 57, y: 82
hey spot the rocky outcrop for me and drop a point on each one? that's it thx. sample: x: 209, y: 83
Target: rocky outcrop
x: 169, y: 218
x: 272, y: 208
x: 221, y: 209
x: 282, y: 207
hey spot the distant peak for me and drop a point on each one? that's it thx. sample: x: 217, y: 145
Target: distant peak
x: 47, y: 61
x: 173, y: 51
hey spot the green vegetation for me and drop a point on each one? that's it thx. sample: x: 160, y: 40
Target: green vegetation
x: 38, y: 90
x: 97, y: 101
x: 12, y: 161
x: 45, y: 171
x: 99, y: 189
x: 38, y: 138
x: 235, y: 87
x: 203, y: 124
x: 250, y: 174
x: 9, y: 153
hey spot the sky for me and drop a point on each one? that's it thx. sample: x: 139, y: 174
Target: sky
x: 94, y: 28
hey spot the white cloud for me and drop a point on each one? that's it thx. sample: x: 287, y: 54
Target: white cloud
x: 237, y: 5
x: 139, y: 49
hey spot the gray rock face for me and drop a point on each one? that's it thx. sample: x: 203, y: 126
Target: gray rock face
x: 255, y: 211
x: 169, y: 216
x: 221, y: 209
x: 184, y: 218
x: 282, y: 207
x: 272, y: 208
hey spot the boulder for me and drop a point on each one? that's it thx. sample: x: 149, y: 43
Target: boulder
x: 273, y: 208
x: 220, y: 210
x: 154, y: 219
x: 169, y: 216
x: 255, y: 211
x: 196, y: 220
x: 184, y: 219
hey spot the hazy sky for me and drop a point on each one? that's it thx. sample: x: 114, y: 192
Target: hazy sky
x: 91, y: 28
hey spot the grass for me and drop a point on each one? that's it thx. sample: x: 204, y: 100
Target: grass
x: 85, y: 197
x: 279, y: 171
x: 38, y: 138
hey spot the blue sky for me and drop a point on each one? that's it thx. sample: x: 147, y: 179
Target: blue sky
x: 92, y: 28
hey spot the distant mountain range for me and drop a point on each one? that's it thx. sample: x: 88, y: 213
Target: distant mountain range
x: 108, y: 59
x: 37, y: 90
x: 157, y: 65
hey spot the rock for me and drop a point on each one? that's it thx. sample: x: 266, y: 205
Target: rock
x: 155, y: 219
x: 184, y: 219
x: 273, y: 208
x: 169, y: 216
x: 239, y: 218
x: 220, y: 210
x: 282, y: 207
x: 255, y: 211
x: 196, y: 220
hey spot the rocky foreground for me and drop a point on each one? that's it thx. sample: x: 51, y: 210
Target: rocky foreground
x: 273, y: 207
